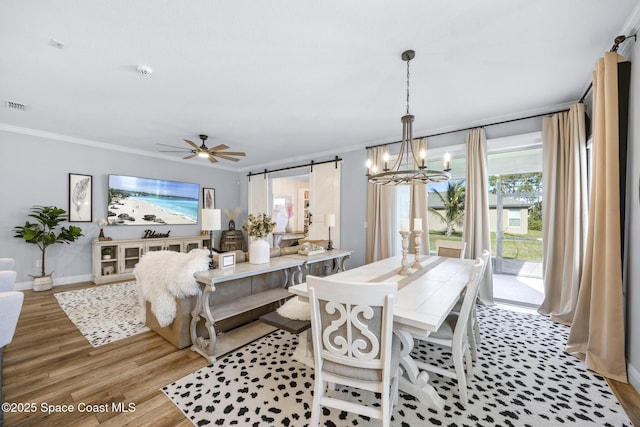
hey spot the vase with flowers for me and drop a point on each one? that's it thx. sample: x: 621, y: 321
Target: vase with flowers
x: 259, y: 227
x: 288, y: 227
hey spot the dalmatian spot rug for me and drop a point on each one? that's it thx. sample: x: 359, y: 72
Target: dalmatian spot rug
x: 104, y: 314
x: 522, y: 377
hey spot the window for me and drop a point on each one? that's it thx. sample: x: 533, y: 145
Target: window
x: 514, y: 217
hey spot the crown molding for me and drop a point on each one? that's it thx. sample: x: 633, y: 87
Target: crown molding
x: 97, y: 144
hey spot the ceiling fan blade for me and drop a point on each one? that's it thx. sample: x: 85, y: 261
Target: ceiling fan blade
x: 223, y: 156
x: 217, y: 148
x: 230, y: 153
x: 174, y: 146
x: 193, y: 144
x: 212, y: 159
x: 190, y: 157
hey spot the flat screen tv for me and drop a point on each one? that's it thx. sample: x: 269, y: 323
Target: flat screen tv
x: 146, y: 201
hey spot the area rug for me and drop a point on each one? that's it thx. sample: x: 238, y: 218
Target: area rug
x: 104, y: 314
x: 522, y: 378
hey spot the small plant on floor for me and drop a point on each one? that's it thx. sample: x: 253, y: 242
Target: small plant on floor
x: 45, y: 232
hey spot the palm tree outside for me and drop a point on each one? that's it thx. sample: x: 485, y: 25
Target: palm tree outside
x: 453, y: 201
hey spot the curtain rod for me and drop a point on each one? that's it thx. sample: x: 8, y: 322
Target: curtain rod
x: 616, y: 44
x: 474, y: 127
x: 312, y: 163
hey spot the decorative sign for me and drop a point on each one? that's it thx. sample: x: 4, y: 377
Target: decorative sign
x: 151, y: 234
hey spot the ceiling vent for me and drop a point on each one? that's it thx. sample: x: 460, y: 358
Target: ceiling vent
x: 15, y: 106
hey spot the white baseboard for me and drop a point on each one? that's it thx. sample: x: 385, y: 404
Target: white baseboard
x: 634, y: 377
x: 57, y: 281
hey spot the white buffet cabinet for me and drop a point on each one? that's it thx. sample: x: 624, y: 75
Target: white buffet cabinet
x: 114, y: 260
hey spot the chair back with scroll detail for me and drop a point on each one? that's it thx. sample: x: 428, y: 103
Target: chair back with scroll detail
x: 450, y: 248
x: 353, y: 345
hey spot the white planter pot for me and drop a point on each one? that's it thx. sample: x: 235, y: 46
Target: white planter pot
x: 259, y: 252
x: 42, y: 283
x: 106, y: 256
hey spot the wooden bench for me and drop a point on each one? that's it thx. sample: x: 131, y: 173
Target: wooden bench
x: 281, y: 322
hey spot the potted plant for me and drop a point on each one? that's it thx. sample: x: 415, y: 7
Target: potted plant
x: 107, y: 252
x: 44, y: 233
x: 259, y: 227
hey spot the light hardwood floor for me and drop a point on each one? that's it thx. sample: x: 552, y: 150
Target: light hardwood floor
x: 50, y: 362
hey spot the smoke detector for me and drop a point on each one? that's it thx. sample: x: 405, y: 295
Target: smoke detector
x: 145, y: 70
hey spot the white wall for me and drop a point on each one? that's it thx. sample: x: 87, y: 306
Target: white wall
x: 34, y: 171
x: 633, y: 227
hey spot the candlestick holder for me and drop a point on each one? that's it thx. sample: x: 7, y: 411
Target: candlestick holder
x: 404, y: 270
x: 416, y: 261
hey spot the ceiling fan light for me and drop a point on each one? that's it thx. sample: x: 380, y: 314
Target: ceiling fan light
x: 203, y: 154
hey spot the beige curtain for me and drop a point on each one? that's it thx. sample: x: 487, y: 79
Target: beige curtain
x: 379, y: 214
x: 597, y: 332
x: 419, y: 206
x: 564, y: 215
x: 476, y: 207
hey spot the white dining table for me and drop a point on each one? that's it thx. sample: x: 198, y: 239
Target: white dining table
x: 425, y: 297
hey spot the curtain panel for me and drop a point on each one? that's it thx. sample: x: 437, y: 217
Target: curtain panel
x: 597, y: 332
x: 379, y: 214
x: 564, y: 216
x: 476, y: 231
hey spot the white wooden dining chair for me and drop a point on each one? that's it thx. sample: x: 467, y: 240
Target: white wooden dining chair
x: 453, y: 333
x: 450, y: 248
x: 474, y: 326
x: 353, y: 344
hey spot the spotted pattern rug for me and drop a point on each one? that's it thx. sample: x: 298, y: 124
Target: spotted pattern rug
x: 104, y: 314
x: 522, y: 377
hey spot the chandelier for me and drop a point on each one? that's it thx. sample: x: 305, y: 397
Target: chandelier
x: 407, y: 168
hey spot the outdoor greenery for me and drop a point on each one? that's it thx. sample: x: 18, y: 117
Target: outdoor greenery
x: 524, y: 250
x: 453, y: 202
x: 514, y: 185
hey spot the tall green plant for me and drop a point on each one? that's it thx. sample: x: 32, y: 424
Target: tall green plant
x: 453, y: 202
x: 44, y: 232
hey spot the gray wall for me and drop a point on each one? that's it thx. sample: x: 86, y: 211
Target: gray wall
x: 633, y: 227
x: 35, y: 171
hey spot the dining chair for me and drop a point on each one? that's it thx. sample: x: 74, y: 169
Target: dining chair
x: 474, y: 326
x: 450, y: 248
x: 10, y: 306
x: 354, y: 344
x: 453, y: 333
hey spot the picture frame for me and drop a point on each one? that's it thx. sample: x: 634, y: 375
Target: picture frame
x: 208, y: 198
x: 80, y: 197
x: 226, y: 260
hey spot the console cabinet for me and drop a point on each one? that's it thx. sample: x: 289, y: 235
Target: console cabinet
x: 114, y: 260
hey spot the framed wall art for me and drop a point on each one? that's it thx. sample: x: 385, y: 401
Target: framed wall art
x: 208, y: 198
x: 80, y: 197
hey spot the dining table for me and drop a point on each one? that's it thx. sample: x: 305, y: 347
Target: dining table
x: 426, y: 296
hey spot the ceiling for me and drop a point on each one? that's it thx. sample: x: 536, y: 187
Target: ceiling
x: 289, y: 80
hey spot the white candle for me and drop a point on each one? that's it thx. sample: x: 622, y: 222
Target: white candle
x: 417, y: 224
x: 404, y: 224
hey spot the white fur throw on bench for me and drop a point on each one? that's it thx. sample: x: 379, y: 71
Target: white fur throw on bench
x: 165, y: 275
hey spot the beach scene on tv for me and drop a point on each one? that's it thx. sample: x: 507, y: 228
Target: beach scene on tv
x: 146, y: 201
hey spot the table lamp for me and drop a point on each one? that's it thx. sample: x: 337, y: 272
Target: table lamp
x: 330, y: 221
x: 211, y: 221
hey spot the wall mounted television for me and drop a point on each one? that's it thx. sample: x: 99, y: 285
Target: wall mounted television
x: 147, y: 201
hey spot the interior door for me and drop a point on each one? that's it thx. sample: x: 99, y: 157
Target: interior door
x: 324, y: 198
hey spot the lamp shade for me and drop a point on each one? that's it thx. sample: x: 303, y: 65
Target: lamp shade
x: 330, y: 220
x: 211, y: 219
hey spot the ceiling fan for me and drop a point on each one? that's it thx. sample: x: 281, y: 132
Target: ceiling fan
x: 205, y: 152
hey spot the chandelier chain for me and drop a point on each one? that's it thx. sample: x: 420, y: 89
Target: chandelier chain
x: 408, y: 75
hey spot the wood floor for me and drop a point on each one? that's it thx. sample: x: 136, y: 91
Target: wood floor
x: 49, y: 362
